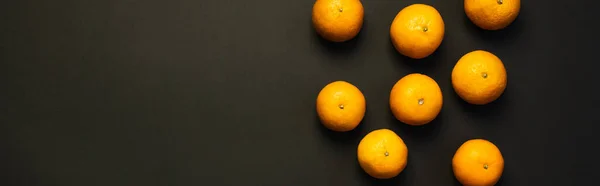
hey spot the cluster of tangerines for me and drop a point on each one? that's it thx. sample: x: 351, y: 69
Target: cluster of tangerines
x: 478, y: 77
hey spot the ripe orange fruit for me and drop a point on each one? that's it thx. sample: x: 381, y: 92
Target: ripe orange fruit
x: 382, y: 154
x: 479, y: 77
x: 416, y: 99
x: 417, y: 31
x: 337, y: 20
x: 340, y: 106
x: 478, y: 162
x: 492, y: 14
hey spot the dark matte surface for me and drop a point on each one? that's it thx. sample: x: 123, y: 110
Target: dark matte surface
x: 222, y: 92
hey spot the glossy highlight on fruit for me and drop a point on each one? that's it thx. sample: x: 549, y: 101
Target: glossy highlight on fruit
x: 417, y: 31
x: 382, y: 154
x: 337, y: 20
x: 492, y: 14
x: 478, y: 162
x: 416, y: 99
x: 479, y: 77
x: 340, y: 106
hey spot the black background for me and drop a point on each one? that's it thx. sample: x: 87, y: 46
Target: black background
x: 222, y: 92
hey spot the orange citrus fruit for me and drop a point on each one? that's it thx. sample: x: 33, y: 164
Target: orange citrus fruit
x: 478, y: 162
x: 417, y: 31
x: 382, y: 154
x: 416, y: 99
x: 337, y: 20
x: 340, y: 106
x: 492, y: 14
x: 479, y: 77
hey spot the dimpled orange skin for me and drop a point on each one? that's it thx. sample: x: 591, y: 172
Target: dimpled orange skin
x: 417, y: 31
x: 492, y: 14
x: 340, y: 106
x: 478, y: 162
x: 337, y: 20
x: 406, y: 95
x: 479, y: 77
x: 382, y: 154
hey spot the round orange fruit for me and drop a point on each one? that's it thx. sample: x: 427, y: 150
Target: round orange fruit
x: 382, y: 154
x: 340, y: 106
x: 478, y: 162
x: 337, y: 20
x: 416, y: 99
x: 492, y: 14
x: 417, y: 31
x: 479, y: 77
